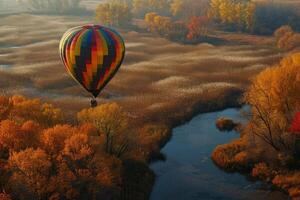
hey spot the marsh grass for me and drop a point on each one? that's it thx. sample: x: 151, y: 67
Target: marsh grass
x: 159, y: 80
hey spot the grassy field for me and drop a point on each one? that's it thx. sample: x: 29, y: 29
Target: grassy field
x: 158, y: 77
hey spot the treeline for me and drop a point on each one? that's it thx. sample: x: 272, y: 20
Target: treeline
x: 43, y: 157
x: 196, y: 16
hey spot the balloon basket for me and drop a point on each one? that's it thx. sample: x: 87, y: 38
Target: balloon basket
x: 94, y: 103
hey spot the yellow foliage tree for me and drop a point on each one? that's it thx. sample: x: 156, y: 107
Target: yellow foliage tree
x: 114, y: 13
x: 23, y: 109
x: 240, y: 13
x: 274, y: 98
x: 110, y: 120
x: 176, y: 7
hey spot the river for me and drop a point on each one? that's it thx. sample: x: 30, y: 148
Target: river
x: 188, y: 172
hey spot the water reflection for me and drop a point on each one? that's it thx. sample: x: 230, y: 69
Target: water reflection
x: 188, y: 173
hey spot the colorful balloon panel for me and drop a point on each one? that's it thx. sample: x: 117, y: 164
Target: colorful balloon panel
x: 92, y: 55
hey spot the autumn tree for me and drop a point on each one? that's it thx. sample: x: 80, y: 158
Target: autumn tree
x: 15, y: 137
x: 5, y: 107
x: 23, y: 109
x: 238, y: 13
x: 286, y: 38
x: 83, y: 171
x: 40, y: 161
x: 186, y: 9
x: 115, y: 13
x: 110, y: 120
x: 149, y: 19
x: 274, y: 98
x: 31, y: 170
x: 177, y: 7
x: 197, y: 27
x: 53, y: 139
x: 165, y: 27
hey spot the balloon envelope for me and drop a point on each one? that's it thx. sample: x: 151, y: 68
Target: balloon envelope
x: 92, y: 55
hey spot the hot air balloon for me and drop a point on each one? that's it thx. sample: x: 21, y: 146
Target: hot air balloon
x: 92, y: 55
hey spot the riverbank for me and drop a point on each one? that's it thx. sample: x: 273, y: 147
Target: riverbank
x: 137, y: 188
x: 189, y: 173
x: 235, y: 157
x: 268, y: 147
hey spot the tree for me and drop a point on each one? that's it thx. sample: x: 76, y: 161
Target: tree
x: 114, y: 13
x: 15, y: 137
x: 197, y: 27
x: 286, y: 38
x: 53, y: 139
x: 83, y: 172
x: 236, y: 13
x: 31, y: 170
x: 164, y: 26
x: 177, y: 7
x: 77, y: 147
x: 149, y: 19
x: 274, y: 97
x: 110, y: 120
x: 5, y: 107
x: 23, y: 109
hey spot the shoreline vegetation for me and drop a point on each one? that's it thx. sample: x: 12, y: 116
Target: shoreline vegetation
x: 65, y: 151
x: 268, y: 148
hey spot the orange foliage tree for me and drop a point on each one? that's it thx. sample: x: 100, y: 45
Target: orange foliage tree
x: 40, y: 159
x: 21, y: 109
x: 197, y: 27
x: 31, y: 170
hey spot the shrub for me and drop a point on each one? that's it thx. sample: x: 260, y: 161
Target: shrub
x: 231, y: 156
x: 263, y: 172
x: 225, y: 124
x: 286, y: 38
x: 287, y: 181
